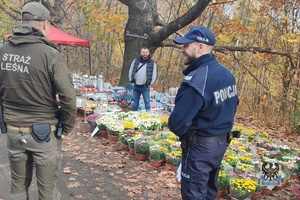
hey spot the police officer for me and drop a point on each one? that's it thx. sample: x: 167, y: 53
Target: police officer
x: 203, y: 115
x: 32, y: 72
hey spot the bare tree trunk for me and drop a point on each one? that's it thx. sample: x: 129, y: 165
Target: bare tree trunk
x: 140, y: 28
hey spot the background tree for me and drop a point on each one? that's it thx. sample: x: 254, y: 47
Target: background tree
x: 141, y: 29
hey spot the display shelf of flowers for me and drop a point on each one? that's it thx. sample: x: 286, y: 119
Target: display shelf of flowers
x: 249, y: 149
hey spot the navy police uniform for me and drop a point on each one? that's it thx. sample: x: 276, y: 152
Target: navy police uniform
x: 203, y: 116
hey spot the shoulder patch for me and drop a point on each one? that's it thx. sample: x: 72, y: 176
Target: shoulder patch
x: 197, y: 79
x: 188, y: 78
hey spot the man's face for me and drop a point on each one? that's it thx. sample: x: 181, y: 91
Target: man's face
x: 145, y: 53
x: 190, y: 51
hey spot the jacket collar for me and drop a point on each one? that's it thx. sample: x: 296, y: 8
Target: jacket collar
x: 203, y: 60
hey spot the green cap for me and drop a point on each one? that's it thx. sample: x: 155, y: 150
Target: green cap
x: 37, y: 10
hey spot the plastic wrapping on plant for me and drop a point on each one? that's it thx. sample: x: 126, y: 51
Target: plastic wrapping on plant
x: 242, y: 188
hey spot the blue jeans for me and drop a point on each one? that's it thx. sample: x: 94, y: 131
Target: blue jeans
x: 200, y: 169
x: 137, y: 91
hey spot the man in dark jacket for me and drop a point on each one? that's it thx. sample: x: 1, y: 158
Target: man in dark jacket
x: 203, y: 115
x: 142, y: 74
x: 32, y: 73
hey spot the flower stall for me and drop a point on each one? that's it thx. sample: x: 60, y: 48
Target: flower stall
x: 242, y: 167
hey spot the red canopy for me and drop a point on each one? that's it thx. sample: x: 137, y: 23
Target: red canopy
x: 59, y: 37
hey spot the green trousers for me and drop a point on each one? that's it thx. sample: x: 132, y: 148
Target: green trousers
x: 22, y: 156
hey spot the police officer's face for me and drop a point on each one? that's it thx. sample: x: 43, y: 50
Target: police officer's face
x: 191, y: 51
x: 145, y: 53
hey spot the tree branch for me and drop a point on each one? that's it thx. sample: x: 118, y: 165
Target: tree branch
x: 14, y: 14
x: 178, y: 23
x: 254, y: 50
x: 223, y: 2
x: 125, y: 2
x: 234, y: 57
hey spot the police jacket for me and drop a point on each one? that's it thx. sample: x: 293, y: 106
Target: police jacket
x: 32, y: 72
x: 206, y: 100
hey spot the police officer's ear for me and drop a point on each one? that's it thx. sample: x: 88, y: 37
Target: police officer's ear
x: 200, y: 48
x: 204, y: 48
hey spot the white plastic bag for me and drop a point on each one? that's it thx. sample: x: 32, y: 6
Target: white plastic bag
x: 179, y: 173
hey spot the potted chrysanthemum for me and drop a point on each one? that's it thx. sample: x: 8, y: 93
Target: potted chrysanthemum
x: 92, y: 118
x: 123, y: 141
x: 141, y: 147
x: 242, y: 188
x: 173, y: 157
x: 164, y: 121
x: 223, y: 183
x: 231, y: 158
x: 114, y: 129
x: 157, y: 154
x: 129, y: 125
x: 102, y: 122
x: 149, y: 124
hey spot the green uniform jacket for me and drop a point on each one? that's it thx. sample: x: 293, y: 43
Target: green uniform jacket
x: 32, y: 72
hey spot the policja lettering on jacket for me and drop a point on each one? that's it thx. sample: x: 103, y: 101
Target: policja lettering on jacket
x: 223, y: 94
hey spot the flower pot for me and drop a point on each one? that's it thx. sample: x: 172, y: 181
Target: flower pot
x: 131, y: 151
x: 156, y: 164
x: 221, y: 194
x: 141, y: 157
x: 285, y: 183
x: 91, y: 129
x: 125, y: 147
x: 295, y: 176
x: 266, y: 191
x: 113, y: 138
x: 103, y: 133
x: 255, y: 195
x: 92, y: 124
x: 278, y: 187
x: 233, y: 198
x: 174, y: 168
